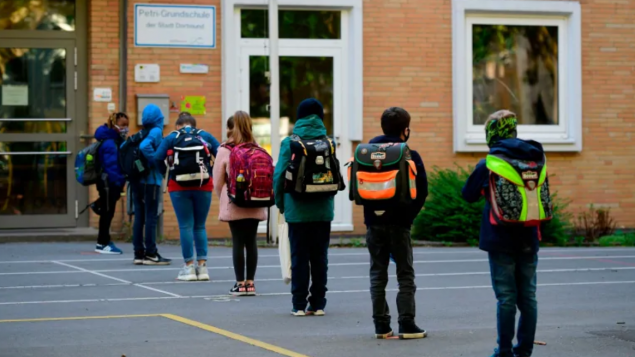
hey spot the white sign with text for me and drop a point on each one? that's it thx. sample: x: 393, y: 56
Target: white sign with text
x: 158, y: 25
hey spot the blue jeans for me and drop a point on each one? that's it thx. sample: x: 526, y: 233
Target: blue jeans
x: 309, y: 261
x: 146, y: 206
x: 191, y: 208
x: 514, y: 282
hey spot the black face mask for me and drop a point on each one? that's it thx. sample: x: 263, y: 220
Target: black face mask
x: 407, y: 134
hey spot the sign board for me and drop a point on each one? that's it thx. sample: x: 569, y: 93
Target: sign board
x: 187, y: 26
x: 13, y: 95
x: 195, y: 105
x: 147, y: 73
x: 194, y: 68
x: 102, y: 94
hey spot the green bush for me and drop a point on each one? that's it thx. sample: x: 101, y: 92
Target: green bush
x: 446, y: 216
x: 624, y: 240
x: 558, y: 230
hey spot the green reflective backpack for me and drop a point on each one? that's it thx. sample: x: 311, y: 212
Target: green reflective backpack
x: 518, y: 191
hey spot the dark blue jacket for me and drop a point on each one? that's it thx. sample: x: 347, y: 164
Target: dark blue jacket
x: 403, y: 216
x: 503, y: 239
x: 108, y: 154
x: 168, y: 144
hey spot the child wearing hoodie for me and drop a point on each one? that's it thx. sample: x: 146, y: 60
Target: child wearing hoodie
x: 111, y: 135
x: 309, y: 220
x: 388, y: 236
x: 147, y: 191
x: 513, y: 251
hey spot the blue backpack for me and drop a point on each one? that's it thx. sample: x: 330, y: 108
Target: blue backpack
x: 87, y: 166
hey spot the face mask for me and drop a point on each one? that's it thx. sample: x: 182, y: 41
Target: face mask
x: 407, y: 134
x: 123, y: 132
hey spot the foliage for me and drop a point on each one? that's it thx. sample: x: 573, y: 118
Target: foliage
x: 357, y: 243
x: 472, y: 242
x: 447, y: 217
x: 558, y: 229
x: 595, y: 223
x: 618, y: 239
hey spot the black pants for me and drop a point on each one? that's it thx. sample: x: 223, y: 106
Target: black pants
x: 309, y: 260
x: 107, y: 204
x: 382, y: 241
x: 244, y: 234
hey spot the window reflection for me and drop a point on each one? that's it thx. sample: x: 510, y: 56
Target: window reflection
x: 56, y: 15
x: 300, y: 24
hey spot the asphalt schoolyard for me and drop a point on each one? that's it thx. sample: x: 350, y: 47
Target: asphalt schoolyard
x: 60, y: 299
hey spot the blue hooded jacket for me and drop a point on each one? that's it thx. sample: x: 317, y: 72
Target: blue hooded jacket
x: 168, y: 143
x: 503, y: 239
x: 108, y: 154
x: 152, y: 120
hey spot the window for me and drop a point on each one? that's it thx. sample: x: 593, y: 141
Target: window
x: 300, y: 24
x: 521, y: 56
x: 57, y: 15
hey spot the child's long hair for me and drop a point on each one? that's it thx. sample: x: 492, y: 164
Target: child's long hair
x: 230, y: 127
x: 242, y: 129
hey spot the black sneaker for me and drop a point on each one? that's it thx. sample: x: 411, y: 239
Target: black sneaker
x: 138, y: 258
x: 383, y: 331
x: 238, y: 290
x: 410, y: 331
x: 156, y: 259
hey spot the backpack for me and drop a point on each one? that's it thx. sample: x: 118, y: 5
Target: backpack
x: 250, y: 181
x: 382, y: 176
x: 191, y: 165
x: 518, y: 191
x: 313, y: 169
x: 87, y: 166
x: 131, y: 160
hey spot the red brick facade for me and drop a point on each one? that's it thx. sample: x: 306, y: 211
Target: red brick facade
x: 408, y: 62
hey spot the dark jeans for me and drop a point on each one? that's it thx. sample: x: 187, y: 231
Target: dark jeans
x: 146, y: 206
x: 244, y: 234
x: 514, y: 282
x: 107, y: 204
x: 309, y: 260
x: 382, y: 241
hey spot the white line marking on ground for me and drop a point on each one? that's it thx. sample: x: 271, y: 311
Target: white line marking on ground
x: 117, y: 279
x: 288, y: 293
x: 330, y: 265
x: 429, y: 251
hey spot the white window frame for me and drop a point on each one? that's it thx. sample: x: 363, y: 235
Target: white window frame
x: 567, y: 135
x: 352, y: 36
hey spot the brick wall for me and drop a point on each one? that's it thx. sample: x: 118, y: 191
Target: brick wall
x: 407, y: 62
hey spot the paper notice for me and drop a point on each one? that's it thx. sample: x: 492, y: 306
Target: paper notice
x: 15, y: 95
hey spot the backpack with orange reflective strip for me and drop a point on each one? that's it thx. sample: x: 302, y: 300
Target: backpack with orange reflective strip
x: 382, y: 176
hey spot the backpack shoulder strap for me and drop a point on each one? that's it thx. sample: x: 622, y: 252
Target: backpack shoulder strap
x: 295, y: 137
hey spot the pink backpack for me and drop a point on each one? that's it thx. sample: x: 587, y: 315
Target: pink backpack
x: 250, y: 181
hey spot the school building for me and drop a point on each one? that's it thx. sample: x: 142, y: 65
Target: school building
x: 567, y: 68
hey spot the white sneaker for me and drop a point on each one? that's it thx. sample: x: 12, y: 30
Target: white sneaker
x: 201, y: 272
x: 188, y: 273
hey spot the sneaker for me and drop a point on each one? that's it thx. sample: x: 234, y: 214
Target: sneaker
x: 296, y: 312
x: 410, y: 330
x: 111, y: 248
x: 311, y: 312
x: 138, y: 259
x: 156, y: 259
x: 187, y: 273
x: 251, y: 289
x: 383, y: 331
x: 238, y: 290
x: 201, y: 272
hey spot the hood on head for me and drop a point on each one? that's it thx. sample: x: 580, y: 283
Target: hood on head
x: 519, y: 149
x: 311, y: 127
x: 152, y: 117
x: 104, y: 132
x: 310, y: 106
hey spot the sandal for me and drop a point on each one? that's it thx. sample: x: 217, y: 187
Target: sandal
x: 251, y: 289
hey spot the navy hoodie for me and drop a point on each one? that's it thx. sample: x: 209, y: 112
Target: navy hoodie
x: 108, y: 154
x: 403, y: 216
x: 503, y: 239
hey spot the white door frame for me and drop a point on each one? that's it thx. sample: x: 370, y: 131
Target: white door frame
x: 343, y: 220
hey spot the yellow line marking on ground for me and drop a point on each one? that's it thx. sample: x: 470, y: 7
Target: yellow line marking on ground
x: 234, y: 336
x: 81, y: 318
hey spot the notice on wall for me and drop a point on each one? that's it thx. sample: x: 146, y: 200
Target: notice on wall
x: 147, y: 73
x: 195, y: 105
x: 194, y: 68
x: 102, y: 94
x: 15, y: 95
x: 175, y: 26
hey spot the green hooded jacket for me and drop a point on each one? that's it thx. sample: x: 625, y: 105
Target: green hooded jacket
x: 298, y: 211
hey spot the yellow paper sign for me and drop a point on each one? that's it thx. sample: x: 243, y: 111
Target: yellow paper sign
x: 195, y: 105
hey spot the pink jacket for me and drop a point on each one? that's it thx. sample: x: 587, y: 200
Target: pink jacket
x: 229, y: 211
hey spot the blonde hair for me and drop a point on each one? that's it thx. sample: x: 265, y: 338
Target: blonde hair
x: 241, y: 133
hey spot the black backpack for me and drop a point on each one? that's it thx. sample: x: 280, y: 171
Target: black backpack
x: 313, y: 169
x: 87, y: 166
x: 131, y: 160
x: 192, y: 159
x: 382, y: 176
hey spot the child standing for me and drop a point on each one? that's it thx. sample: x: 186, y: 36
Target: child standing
x: 243, y: 222
x: 191, y: 203
x: 111, y: 135
x: 512, y: 250
x: 388, y: 235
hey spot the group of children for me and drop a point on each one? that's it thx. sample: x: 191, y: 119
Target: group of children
x: 512, y: 249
